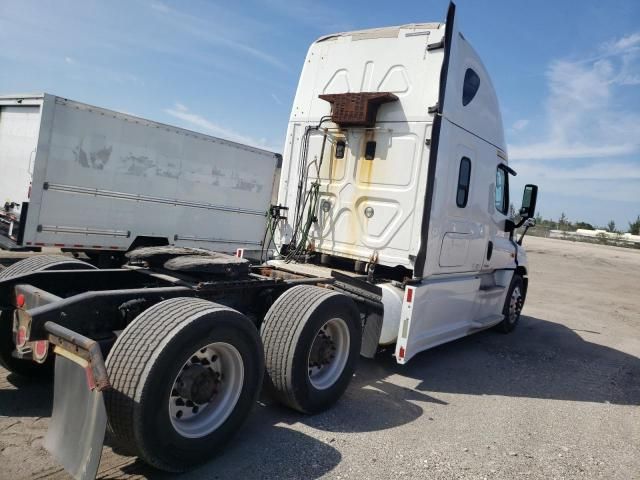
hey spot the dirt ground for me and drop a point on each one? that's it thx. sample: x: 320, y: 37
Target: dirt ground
x: 558, y: 398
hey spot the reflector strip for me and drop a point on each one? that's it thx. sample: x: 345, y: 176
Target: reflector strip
x: 76, y: 245
x: 401, y: 352
x: 21, y: 337
x: 409, y: 295
x: 91, y: 383
x: 40, y: 350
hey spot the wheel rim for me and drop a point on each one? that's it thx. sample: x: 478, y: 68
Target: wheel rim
x: 206, y: 390
x: 515, y: 305
x: 329, y: 353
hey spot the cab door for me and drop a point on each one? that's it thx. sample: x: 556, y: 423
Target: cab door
x: 501, y: 250
x: 463, y: 241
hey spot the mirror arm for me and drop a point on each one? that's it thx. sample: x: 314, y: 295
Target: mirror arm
x: 522, y: 236
x: 528, y: 223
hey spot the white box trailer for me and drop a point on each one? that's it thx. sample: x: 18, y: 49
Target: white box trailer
x: 90, y: 179
x: 392, y: 231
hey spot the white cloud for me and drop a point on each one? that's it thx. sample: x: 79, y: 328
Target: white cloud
x: 161, y: 7
x: 276, y: 99
x: 617, y: 171
x: 214, y: 35
x: 181, y: 112
x: 625, y: 44
x: 180, y: 107
x: 583, y: 118
x: 520, y: 124
x: 617, y: 182
x: 317, y: 15
x: 69, y: 60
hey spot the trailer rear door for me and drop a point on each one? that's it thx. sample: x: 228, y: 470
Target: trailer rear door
x: 19, y: 126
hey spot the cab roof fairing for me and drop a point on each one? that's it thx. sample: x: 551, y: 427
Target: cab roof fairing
x: 481, y: 116
x: 382, y: 32
x: 372, y: 61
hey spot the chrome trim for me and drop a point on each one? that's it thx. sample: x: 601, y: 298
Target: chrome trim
x: 147, y: 198
x: 214, y: 240
x: 84, y: 231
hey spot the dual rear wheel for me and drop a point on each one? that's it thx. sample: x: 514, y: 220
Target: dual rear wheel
x: 186, y: 372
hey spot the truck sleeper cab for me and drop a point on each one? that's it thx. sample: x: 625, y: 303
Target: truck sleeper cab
x: 391, y: 231
x: 396, y: 135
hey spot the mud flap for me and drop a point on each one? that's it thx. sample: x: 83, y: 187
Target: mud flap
x: 77, y: 427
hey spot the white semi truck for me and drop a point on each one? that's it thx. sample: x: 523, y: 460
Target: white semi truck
x: 88, y: 179
x: 392, y: 230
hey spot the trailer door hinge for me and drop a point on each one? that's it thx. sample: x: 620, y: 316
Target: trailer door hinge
x: 435, y: 46
x: 434, y: 108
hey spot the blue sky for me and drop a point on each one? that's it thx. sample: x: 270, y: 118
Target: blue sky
x: 567, y: 75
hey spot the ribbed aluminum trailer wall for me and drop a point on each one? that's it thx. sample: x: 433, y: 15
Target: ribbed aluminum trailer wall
x: 103, y: 180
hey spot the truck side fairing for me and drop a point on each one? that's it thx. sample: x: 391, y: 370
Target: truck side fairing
x: 467, y: 259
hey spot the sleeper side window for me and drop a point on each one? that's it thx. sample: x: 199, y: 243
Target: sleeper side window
x: 502, y: 190
x: 464, y: 178
x: 470, y: 86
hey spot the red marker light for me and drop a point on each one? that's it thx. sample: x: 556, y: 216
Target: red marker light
x: 41, y: 349
x: 401, y: 352
x: 409, y: 295
x: 21, y: 337
x: 20, y: 300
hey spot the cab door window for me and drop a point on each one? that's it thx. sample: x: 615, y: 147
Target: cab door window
x: 502, y: 190
x: 464, y: 178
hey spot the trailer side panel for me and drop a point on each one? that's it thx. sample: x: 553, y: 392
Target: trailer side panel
x: 103, y: 179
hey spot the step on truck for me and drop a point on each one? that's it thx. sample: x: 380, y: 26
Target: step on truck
x: 391, y: 231
x: 87, y: 179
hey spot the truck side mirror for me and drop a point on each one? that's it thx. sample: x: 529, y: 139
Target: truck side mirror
x: 528, y: 209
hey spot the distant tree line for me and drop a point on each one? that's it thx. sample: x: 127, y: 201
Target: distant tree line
x: 563, y: 223
x: 544, y: 225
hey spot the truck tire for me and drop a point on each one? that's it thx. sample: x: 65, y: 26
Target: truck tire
x: 513, y: 305
x: 185, y: 375
x: 311, y: 338
x: 37, y: 263
x: 157, y: 256
x: 212, y: 264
